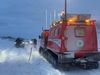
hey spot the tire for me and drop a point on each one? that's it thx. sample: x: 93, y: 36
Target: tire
x: 96, y: 65
x: 40, y: 50
x: 90, y: 65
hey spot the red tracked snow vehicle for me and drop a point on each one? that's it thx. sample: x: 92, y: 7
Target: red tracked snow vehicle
x: 71, y: 41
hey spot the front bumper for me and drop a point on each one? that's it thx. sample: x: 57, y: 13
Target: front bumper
x: 66, y: 57
x: 69, y: 57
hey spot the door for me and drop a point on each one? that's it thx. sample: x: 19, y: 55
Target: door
x: 79, y: 38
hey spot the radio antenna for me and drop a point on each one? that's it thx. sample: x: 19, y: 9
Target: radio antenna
x: 65, y: 9
x: 50, y: 18
x: 54, y: 13
x: 46, y: 22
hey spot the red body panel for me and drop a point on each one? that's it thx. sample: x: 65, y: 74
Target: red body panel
x: 59, y: 42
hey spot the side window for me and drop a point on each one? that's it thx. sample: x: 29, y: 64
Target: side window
x: 57, y: 31
x: 52, y: 32
x: 42, y: 36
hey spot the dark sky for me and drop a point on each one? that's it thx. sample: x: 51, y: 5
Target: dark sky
x: 27, y: 17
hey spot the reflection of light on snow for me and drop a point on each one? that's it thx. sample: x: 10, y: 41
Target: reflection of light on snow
x: 15, y: 55
x: 35, y: 54
x: 3, y: 56
x: 55, y: 72
x: 11, y: 56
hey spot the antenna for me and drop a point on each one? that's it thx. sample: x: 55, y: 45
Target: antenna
x: 65, y: 9
x: 42, y: 28
x: 54, y: 15
x: 50, y: 18
x: 58, y: 16
x: 46, y: 13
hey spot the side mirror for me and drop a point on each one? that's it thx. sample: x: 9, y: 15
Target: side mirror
x: 39, y: 37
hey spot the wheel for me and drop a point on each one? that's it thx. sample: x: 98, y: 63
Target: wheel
x: 85, y: 66
x: 96, y: 65
x: 52, y: 58
x: 90, y: 65
x: 41, y: 50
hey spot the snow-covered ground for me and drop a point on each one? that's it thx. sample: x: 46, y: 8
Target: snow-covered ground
x: 14, y: 61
